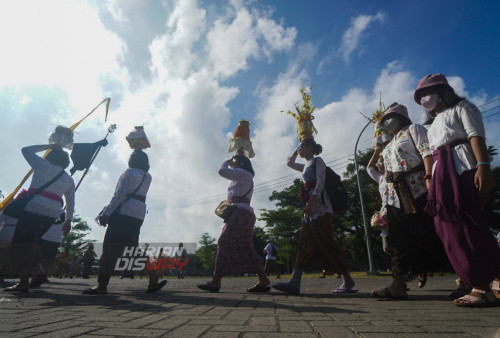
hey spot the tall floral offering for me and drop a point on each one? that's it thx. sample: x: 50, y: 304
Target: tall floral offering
x: 304, y: 117
x: 137, y: 139
x: 380, y: 135
x: 240, y: 143
x: 63, y: 137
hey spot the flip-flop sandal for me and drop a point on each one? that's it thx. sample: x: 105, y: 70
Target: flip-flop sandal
x: 495, y: 287
x: 208, y: 287
x: 15, y: 288
x: 94, y: 291
x: 422, y: 282
x: 343, y: 289
x: 258, y: 288
x: 285, y: 287
x: 386, y: 294
x: 487, y: 299
x: 155, y: 287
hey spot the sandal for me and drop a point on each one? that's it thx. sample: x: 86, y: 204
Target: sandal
x: 155, y: 287
x: 387, y: 294
x: 259, y: 288
x: 16, y: 288
x: 495, y: 287
x: 285, y: 287
x: 208, y: 287
x: 477, y: 298
x: 95, y: 291
x: 422, y: 281
x: 344, y: 289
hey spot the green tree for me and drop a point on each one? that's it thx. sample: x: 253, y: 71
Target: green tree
x: 492, y: 152
x: 492, y: 205
x: 75, y: 240
x: 207, y: 251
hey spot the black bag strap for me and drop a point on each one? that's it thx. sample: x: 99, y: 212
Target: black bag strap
x: 49, y: 183
x: 242, y: 197
x: 129, y: 196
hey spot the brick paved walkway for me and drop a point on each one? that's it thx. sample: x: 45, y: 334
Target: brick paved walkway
x: 59, y: 309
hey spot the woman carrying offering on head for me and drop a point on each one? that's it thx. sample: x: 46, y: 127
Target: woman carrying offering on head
x: 43, y: 209
x: 124, y: 216
x: 235, y: 250
x: 317, y: 248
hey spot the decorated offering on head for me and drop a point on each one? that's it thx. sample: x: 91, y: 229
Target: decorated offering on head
x: 380, y: 136
x: 240, y: 143
x: 63, y: 137
x: 137, y: 139
x: 304, y: 117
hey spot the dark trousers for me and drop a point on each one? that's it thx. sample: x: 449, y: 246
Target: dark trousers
x: 415, y: 247
x: 25, y: 251
x: 123, y: 232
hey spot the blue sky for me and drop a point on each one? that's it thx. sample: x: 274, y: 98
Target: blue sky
x: 189, y: 70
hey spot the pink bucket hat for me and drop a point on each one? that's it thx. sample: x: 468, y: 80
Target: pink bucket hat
x: 397, y: 109
x: 427, y: 81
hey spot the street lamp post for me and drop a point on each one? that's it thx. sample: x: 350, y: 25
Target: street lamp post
x: 370, y: 260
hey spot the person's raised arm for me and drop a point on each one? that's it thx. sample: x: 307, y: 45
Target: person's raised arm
x: 291, y: 161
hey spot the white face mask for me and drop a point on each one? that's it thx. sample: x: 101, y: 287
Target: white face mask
x: 429, y: 102
x: 392, y: 124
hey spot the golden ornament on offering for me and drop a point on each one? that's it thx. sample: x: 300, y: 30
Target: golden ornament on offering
x: 380, y: 135
x: 304, y: 117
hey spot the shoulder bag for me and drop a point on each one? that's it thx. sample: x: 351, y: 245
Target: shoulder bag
x: 225, y: 209
x: 16, y: 207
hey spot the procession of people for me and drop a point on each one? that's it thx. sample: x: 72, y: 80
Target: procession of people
x: 433, y: 180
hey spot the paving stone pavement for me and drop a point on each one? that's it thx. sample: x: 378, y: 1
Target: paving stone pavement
x: 59, y: 309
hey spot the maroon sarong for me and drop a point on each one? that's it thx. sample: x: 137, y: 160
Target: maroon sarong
x: 455, y: 204
x: 235, y: 251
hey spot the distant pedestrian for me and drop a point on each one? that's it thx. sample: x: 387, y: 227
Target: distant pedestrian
x: 271, y: 265
x: 88, y: 261
x: 180, y: 255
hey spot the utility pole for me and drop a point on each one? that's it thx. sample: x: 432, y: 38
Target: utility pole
x: 363, y: 213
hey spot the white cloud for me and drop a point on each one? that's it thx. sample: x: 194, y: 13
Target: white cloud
x: 63, y: 45
x: 244, y: 34
x: 352, y: 36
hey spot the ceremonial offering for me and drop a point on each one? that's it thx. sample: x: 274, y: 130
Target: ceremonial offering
x: 380, y: 135
x: 304, y: 117
x: 137, y: 139
x: 63, y: 137
x: 240, y: 143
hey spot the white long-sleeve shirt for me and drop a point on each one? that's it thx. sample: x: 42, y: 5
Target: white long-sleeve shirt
x: 127, y: 183
x: 43, y: 172
x: 311, y: 172
x: 241, y: 182
x: 463, y: 121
